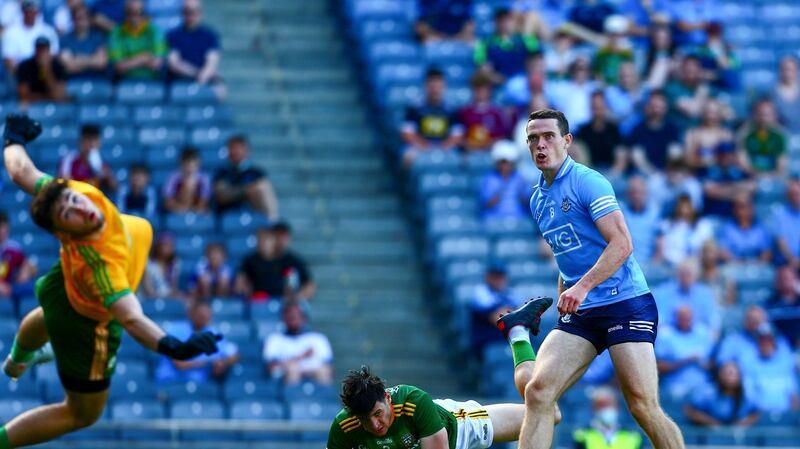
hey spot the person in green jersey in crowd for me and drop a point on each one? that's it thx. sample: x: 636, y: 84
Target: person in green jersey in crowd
x: 405, y: 417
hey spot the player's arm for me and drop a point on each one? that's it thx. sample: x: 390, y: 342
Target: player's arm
x: 20, y: 130
x: 436, y: 441
x: 128, y: 312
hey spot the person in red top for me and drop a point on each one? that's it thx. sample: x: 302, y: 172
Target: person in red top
x: 85, y: 164
x: 16, y: 271
x: 483, y: 121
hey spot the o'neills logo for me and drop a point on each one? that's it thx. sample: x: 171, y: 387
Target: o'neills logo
x: 615, y: 328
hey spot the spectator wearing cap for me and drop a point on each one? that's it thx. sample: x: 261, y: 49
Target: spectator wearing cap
x: 743, y: 239
x: 655, y: 140
x: 212, y: 277
x: 138, y: 197
x: 786, y: 94
x: 431, y: 124
x: 604, y: 429
x: 785, y: 226
x: 300, y: 283
x: 642, y: 215
x: 683, y: 350
x: 187, y: 189
x: 769, y: 374
x: 136, y: 47
x: 19, y: 40
x: 763, y: 141
x: 502, y: 55
x: 784, y: 305
x: 297, y: 353
x: 614, y: 51
x: 503, y: 192
x: 162, y: 273
x: 41, y: 77
x: 483, y: 121
x: 85, y: 164
x: 687, y: 290
x: 490, y: 300
x: 16, y: 271
x: 84, y: 51
x: 444, y: 20
x: 194, y: 47
x: 600, y: 139
x: 724, y: 403
x: 723, y: 182
x: 742, y: 345
x: 240, y: 183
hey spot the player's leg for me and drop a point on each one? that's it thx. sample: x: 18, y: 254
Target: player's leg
x: 563, y: 358
x: 635, y: 365
x: 506, y: 421
x: 45, y: 423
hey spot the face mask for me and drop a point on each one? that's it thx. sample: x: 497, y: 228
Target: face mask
x: 608, y: 416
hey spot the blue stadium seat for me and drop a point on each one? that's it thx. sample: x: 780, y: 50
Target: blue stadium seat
x: 133, y: 369
x: 46, y: 371
x: 256, y: 389
x: 178, y: 391
x: 131, y: 350
x: 161, y: 136
x: 8, y: 325
x: 118, y: 155
x: 450, y: 204
x: 163, y: 115
x: 509, y: 227
x: 24, y: 389
x: 132, y: 410
x: 261, y: 411
x: 163, y: 8
x: 516, y: 248
x: 462, y: 247
x: 266, y: 327
x: 461, y: 270
x: 162, y: 157
x: 104, y: 114
x: 52, y: 113
x: 52, y: 389
x: 396, y: 10
x: 9, y: 408
x: 313, y: 411
x: 58, y: 134
x: 453, y: 225
x: 228, y: 308
x: 38, y: 242
x: 118, y: 133
x: 140, y: 92
x: 208, y: 114
x: 436, y: 162
x: 192, y: 93
x: 448, y: 52
x: 27, y: 304
x: 392, y: 51
x: 387, y: 74
x: 531, y: 271
x: 90, y: 91
x: 166, y: 22
x: 309, y: 391
x: 142, y: 389
x: 240, y: 371
x: 250, y: 351
x: 213, y: 156
x: 443, y: 183
x: 235, y: 330
x: 199, y: 409
x: 401, y: 95
x: 165, y: 309
x: 265, y: 311
x: 208, y: 136
x: 383, y: 29
x: 190, y: 247
x: 242, y: 222
x: 190, y: 222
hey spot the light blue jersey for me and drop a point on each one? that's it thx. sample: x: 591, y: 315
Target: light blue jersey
x: 565, y: 213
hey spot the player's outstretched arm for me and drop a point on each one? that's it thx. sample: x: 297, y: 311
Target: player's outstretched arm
x: 19, y: 130
x: 128, y: 312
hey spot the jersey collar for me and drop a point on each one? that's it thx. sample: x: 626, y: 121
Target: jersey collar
x: 566, y: 166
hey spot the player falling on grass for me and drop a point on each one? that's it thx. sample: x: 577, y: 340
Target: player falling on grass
x: 86, y: 299
x: 604, y: 300
x: 405, y: 417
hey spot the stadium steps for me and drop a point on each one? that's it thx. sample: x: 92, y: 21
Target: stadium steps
x: 293, y: 90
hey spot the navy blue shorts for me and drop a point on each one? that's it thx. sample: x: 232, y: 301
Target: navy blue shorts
x: 631, y: 320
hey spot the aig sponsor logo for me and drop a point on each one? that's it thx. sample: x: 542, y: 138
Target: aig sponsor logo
x: 562, y: 239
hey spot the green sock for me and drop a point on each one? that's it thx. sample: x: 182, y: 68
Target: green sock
x: 4, y: 443
x: 522, y: 352
x: 19, y: 355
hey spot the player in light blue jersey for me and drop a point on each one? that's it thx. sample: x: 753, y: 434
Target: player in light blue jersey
x: 604, y: 300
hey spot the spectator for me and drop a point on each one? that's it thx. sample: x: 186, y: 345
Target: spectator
x: 625, y: 98
x: 502, y: 56
x: 445, y: 19
x: 786, y: 226
x: 769, y: 375
x: 108, y: 14
x: 787, y: 94
x: 163, y: 270
x: 703, y: 139
x: 188, y: 189
x: 84, y: 51
x: 763, y: 141
x: 212, y: 277
x: 742, y: 346
x: 63, y: 16
x: 16, y: 271
x: 642, y: 217
x: 19, y: 39
x: 784, y: 306
x: 683, y: 234
x: 572, y: 96
x: 41, y: 77
x: 660, y: 60
x: 431, y: 124
x: 297, y: 353
x: 718, y: 59
x: 614, y: 52
x: 240, y: 183
x: 710, y: 274
x: 683, y: 350
x: 723, y: 404
x: 560, y: 54
x: 743, y: 239
x: 483, y: 121
x: 688, y: 93
x: 138, y: 197
x: 136, y: 47
x: 194, y: 48
x: 520, y: 89
x: 678, y: 180
x: 504, y: 193
x: 604, y: 426
x: 86, y: 164
x: 491, y: 300
x: 300, y: 283
x: 202, y: 368
x: 600, y: 139
x: 686, y: 290
x: 655, y: 140
x: 723, y: 182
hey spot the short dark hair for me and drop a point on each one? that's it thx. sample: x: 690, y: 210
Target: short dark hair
x: 90, y: 130
x: 44, y: 202
x: 361, y: 390
x: 501, y: 13
x: 140, y: 168
x: 189, y: 153
x: 433, y: 73
x: 237, y: 138
x: 3, y: 218
x: 561, y: 119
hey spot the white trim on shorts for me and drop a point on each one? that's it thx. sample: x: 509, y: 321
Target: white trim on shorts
x: 475, y: 429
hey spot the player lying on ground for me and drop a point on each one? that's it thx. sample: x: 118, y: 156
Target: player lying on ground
x: 86, y: 299
x: 405, y: 417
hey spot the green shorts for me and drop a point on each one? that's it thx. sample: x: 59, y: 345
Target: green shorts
x: 85, y: 349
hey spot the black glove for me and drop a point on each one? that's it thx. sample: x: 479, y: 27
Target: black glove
x: 199, y: 343
x: 20, y: 129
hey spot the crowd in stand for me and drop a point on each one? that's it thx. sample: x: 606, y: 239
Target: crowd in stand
x: 655, y: 102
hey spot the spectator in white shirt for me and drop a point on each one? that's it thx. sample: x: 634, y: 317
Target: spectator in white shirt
x: 19, y: 39
x: 296, y: 353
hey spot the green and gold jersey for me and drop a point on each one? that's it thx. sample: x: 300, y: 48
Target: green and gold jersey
x: 415, y: 416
